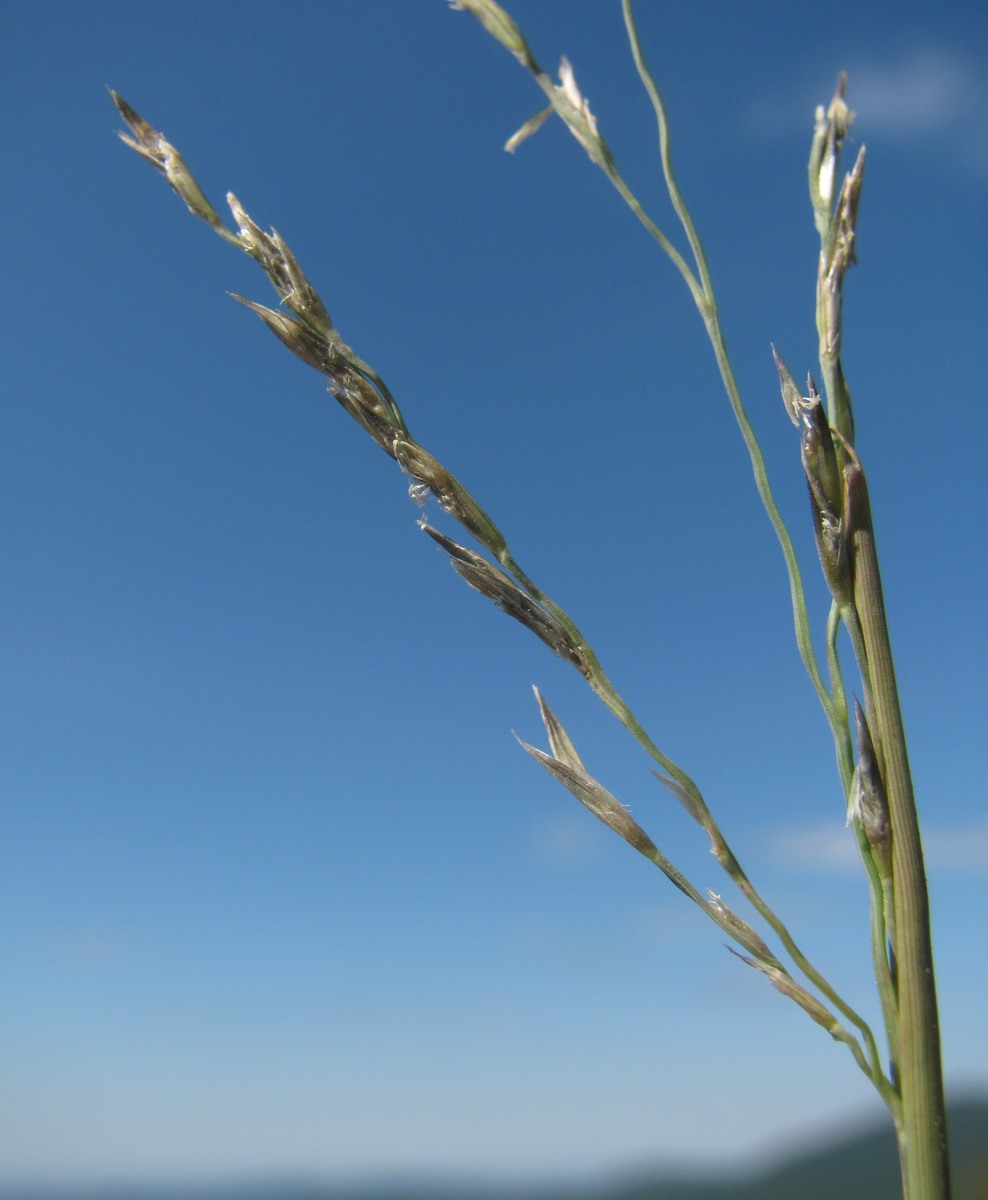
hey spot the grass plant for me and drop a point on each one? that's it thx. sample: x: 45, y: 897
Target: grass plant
x: 869, y: 738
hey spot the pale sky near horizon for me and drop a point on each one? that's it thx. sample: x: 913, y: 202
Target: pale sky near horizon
x: 280, y: 892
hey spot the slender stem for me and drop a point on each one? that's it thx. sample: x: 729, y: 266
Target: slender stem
x: 923, y: 1138
x: 665, y: 153
x: 845, y: 749
x: 703, y: 294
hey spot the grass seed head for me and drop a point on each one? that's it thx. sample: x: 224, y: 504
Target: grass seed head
x: 868, y: 806
x: 153, y: 146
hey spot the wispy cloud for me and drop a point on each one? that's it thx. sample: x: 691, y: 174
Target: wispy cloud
x: 832, y: 848
x: 964, y: 849
x: 566, y: 840
x: 822, y: 847
x: 925, y: 95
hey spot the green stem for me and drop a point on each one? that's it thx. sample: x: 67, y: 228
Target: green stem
x: 703, y: 294
x: 923, y: 1132
x: 845, y: 749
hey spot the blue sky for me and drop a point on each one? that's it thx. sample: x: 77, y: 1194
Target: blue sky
x: 280, y: 891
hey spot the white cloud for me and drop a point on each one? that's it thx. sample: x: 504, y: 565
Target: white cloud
x: 961, y: 849
x: 832, y: 848
x: 923, y: 96
x: 828, y: 847
x: 928, y: 93
x: 567, y: 839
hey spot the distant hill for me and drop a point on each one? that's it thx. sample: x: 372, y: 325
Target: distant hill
x: 860, y: 1167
